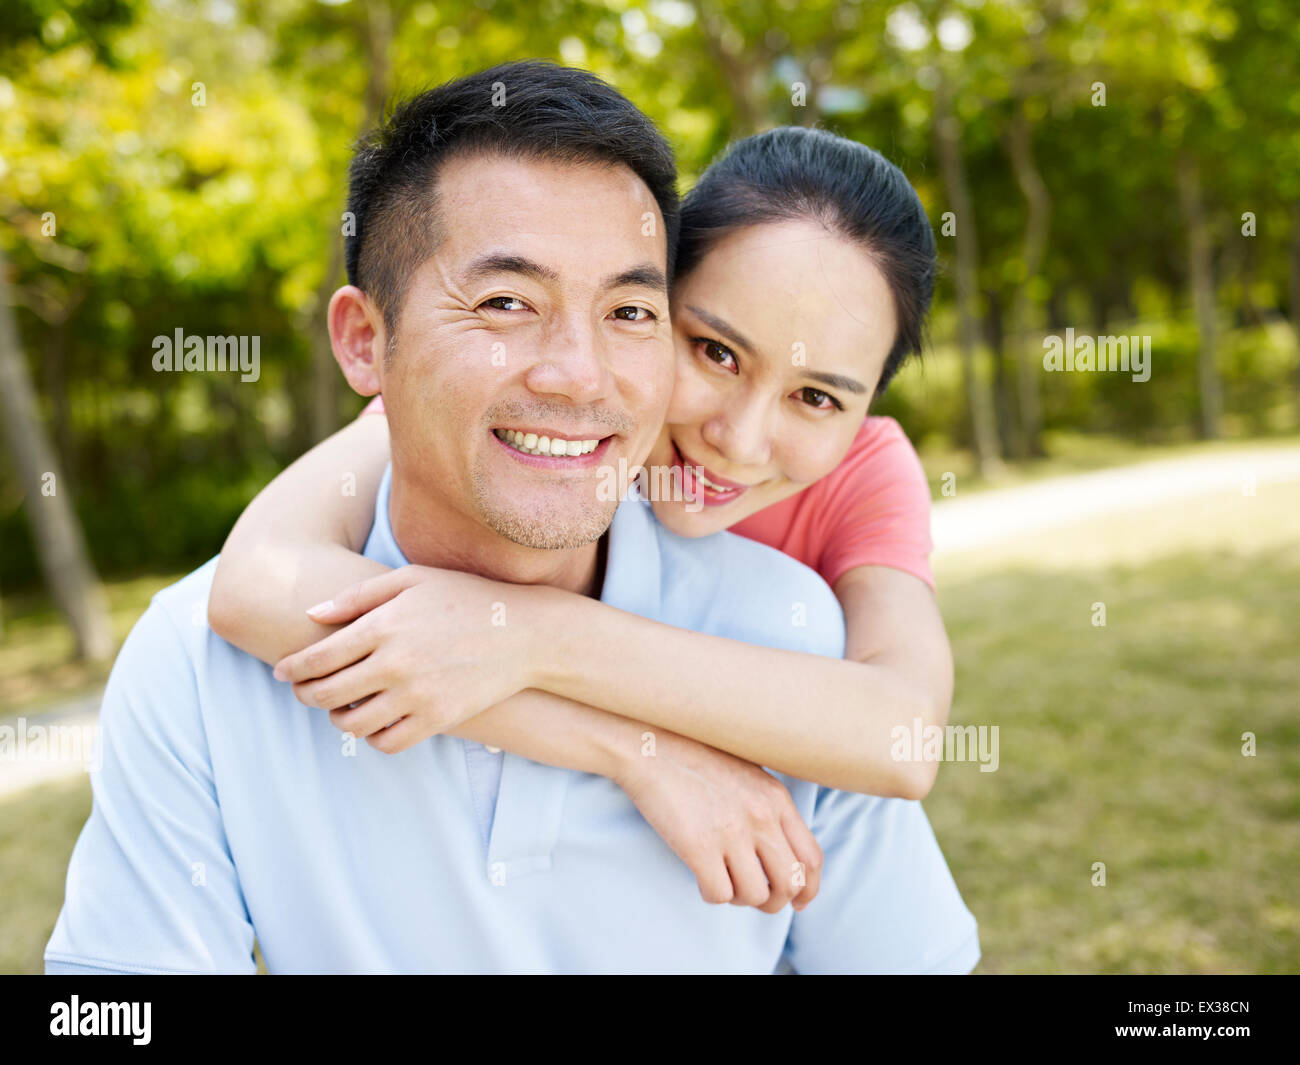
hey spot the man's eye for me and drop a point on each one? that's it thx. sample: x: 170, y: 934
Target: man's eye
x: 632, y: 313
x: 815, y: 397
x: 715, y: 352
x: 496, y: 303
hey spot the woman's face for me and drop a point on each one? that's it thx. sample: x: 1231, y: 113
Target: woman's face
x: 782, y: 331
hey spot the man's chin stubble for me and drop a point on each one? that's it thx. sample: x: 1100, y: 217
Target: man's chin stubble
x: 558, y: 531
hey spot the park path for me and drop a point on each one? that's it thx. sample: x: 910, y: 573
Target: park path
x: 959, y: 524
x: 989, y: 517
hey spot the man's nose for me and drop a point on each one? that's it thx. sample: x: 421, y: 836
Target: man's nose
x: 571, y: 363
x: 741, y: 431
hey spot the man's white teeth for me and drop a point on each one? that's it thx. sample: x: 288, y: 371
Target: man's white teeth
x: 532, y: 444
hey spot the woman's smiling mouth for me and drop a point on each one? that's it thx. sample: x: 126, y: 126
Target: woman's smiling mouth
x: 710, y: 489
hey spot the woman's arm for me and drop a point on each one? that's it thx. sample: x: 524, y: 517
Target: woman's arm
x: 298, y: 541
x: 831, y: 721
x: 825, y: 720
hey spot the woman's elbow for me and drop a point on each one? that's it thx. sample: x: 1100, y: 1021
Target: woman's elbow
x: 227, y: 609
x: 918, y: 780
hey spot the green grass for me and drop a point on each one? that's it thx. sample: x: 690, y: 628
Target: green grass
x: 37, y: 831
x: 36, y: 661
x: 1123, y: 745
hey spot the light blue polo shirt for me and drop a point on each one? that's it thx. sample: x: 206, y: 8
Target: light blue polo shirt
x: 226, y: 810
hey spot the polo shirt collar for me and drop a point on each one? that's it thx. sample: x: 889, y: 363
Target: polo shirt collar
x: 632, y: 563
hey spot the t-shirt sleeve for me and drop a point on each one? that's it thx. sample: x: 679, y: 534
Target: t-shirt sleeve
x: 906, y: 917
x: 375, y: 406
x: 876, y: 509
x: 152, y: 887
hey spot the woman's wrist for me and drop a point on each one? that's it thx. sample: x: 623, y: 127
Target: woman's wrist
x: 559, y: 632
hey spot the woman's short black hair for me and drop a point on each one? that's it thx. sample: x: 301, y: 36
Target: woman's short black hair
x: 529, y: 109
x: 795, y: 172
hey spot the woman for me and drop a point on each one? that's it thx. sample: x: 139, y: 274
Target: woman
x: 804, y: 273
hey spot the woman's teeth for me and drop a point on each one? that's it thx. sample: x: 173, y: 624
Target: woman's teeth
x: 532, y: 444
x: 709, y: 484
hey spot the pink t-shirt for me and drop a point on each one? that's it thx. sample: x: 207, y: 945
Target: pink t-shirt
x: 873, y: 509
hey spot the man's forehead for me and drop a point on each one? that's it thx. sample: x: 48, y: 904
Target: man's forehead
x: 590, y: 204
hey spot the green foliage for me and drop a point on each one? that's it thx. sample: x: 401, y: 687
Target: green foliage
x: 192, y: 159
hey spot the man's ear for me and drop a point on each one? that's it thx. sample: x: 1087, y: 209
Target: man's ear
x: 358, y: 337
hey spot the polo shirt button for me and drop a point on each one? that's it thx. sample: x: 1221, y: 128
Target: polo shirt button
x: 492, y: 750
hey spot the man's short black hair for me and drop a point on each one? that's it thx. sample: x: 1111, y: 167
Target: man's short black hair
x: 528, y: 109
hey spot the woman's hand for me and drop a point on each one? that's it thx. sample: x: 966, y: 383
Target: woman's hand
x: 732, y: 823
x: 428, y: 649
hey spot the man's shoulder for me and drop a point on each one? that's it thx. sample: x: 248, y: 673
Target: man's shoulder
x: 172, y: 637
x: 761, y: 594
x: 185, y: 603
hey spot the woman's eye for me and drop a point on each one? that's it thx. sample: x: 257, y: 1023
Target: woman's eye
x: 715, y: 352
x: 815, y: 397
x: 632, y: 313
x: 496, y: 303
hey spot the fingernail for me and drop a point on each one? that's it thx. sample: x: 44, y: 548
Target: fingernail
x: 321, y: 608
x: 278, y: 673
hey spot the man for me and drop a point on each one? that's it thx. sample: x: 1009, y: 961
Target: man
x: 224, y: 811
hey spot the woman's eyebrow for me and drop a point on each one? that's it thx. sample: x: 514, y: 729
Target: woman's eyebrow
x: 836, y: 380
x: 713, y: 321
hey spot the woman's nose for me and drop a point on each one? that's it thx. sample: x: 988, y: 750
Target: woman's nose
x: 740, y: 433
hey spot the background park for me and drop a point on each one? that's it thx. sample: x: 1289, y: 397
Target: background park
x: 1115, y: 168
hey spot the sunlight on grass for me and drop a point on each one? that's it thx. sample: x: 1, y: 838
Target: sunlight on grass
x: 36, y: 663
x: 1069, y: 453
x: 38, y: 829
x: 1123, y: 744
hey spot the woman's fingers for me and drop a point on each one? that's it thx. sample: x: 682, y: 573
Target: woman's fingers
x: 365, y: 719
x: 363, y: 596
x: 346, y: 687
x: 334, y: 652
x: 780, y: 867
x: 808, y: 853
x: 713, y: 879
x: 747, y: 877
x: 397, y: 737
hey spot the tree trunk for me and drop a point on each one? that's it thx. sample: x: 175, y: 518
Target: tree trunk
x: 1033, y: 248
x: 60, y: 547
x: 326, y: 390
x: 1295, y: 296
x: 739, y: 65
x: 994, y: 330
x: 1201, y: 274
x: 947, y: 132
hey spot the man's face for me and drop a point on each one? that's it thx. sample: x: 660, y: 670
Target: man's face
x: 541, y: 319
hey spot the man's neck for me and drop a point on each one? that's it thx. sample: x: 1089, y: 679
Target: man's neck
x: 430, y: 534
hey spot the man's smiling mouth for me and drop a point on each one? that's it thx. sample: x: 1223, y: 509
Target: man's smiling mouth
x: 543, y: 444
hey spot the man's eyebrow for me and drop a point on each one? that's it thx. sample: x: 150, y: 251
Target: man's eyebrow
x: 646, y: 275
x: 835, y: 380
x: 500, y: 263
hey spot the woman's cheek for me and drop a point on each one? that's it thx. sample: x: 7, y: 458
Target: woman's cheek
x: 813, y: 457
x: 691, y: 401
